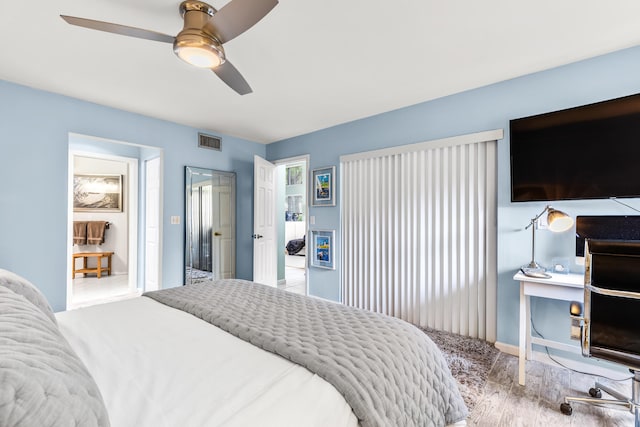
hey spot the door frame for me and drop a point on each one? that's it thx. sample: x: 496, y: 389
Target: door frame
x: 306, y: 159
x: 133, y: 199
x: 158, y: 210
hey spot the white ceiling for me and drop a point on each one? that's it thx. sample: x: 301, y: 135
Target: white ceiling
x: 312, y: 64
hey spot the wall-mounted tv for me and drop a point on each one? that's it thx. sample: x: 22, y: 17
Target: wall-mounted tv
x: 587, y: 152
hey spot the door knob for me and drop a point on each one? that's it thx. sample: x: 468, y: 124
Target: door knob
x: 257, y: 236
x: 217, y: 234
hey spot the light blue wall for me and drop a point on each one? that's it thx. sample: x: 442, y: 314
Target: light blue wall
x: 486, y: 108
x: 34, y: 141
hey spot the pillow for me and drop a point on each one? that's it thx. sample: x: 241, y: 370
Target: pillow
x: 22, y: 286
x: 42, y: 380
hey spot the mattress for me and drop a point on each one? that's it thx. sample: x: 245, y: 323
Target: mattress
x: 158, y: 366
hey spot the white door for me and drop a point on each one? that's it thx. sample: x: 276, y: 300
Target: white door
x: 264, y: 225
x: 152, y: 225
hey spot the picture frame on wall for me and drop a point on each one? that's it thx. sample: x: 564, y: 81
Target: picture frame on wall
x: 294, y: 175
x: 97, y: 193
x: 323, y: 249
x: 323, y: 186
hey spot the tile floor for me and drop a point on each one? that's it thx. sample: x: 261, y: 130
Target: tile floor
x: 91, y: 290
x: 294, y: 281
x: 294, y: 275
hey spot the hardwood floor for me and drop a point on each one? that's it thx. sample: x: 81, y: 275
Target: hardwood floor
x: 506, y: 403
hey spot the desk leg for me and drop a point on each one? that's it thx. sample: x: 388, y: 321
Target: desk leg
x: 99, y: 266
x: 522, y: 339
x: 528, y: 329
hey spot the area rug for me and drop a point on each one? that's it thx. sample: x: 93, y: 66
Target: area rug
x: 198, y: 276
x: 469, y: 359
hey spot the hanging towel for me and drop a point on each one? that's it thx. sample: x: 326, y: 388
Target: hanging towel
x: 95, y: 232
x: 79, y: 232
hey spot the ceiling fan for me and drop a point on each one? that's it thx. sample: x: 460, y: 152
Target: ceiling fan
x: 205, y: 31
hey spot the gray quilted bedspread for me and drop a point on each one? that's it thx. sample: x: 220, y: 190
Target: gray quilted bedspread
x: 389, y: 372
x: 43, y: 383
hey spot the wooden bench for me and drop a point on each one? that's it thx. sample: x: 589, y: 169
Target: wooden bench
x: 98, y: 269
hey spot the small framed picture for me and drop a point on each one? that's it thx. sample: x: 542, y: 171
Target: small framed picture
x: 294, y: 175
x: 323, y: 249
x: 323, y: 186
x: 99, y: 193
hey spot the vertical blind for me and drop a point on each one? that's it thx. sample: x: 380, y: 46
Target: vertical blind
x: 418, y: 233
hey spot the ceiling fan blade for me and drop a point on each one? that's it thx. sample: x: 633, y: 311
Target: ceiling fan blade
x: 232, y: 77
x: 118, y: 29
x: 238, y: 16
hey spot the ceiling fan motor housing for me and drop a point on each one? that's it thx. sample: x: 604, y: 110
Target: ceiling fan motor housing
x: 196, y: 14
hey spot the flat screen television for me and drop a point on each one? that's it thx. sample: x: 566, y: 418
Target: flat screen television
x: 587, y: 152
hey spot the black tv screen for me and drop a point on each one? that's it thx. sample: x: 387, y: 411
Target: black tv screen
x: 587, y: 152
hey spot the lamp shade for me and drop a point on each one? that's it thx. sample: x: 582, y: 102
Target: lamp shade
x: 558, y: 221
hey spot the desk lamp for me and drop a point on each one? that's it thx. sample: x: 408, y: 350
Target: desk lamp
x: 558, y: 222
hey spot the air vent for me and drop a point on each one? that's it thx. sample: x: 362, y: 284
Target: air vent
x: 210, y: 142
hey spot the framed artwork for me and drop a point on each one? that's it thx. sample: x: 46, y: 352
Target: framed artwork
x: 323, y: 249
x: 97, y: 193
x: 323, y: 186
x: 294, y: 175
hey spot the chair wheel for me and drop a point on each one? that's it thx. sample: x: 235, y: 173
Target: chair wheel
x: 595, y: 392
x: 566, y: 408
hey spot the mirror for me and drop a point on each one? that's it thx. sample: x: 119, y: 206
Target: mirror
x: 210, y: 225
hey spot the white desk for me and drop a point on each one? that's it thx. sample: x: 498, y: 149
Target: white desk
x: 565, y: 287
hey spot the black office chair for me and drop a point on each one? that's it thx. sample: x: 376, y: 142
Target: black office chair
x: 609, y: 328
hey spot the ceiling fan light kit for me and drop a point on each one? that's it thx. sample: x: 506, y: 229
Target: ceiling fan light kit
x: 199, y: 50
x: 205, y: 31
x: 198, y: 53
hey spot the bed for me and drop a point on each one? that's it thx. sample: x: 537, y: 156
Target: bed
x: 213, y: 354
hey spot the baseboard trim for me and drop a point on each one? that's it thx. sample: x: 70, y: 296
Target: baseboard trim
x: 598, y: 369
x: 507, y: 348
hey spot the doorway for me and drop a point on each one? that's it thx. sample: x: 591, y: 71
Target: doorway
x: 292, y: 214
x: 103, y: 189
